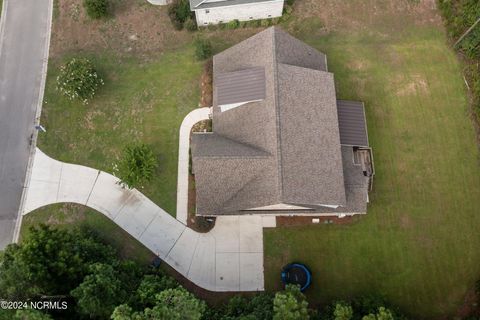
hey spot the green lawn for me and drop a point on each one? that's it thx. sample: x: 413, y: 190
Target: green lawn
x: 419, y: 244
x: 66, y: 216
x: 140, y: 102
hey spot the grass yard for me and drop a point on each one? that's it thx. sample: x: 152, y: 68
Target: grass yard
x: 141, y: 101
x: 67, y: 216
x: 419, y: 244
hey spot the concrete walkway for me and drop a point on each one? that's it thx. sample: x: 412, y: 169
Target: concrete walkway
x: 188, y: 122
x: 228, y: 258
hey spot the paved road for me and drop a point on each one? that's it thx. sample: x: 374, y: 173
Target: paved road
x: 24, y: 41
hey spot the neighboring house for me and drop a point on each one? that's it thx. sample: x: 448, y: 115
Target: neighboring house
x: 281, y: 142
x: 218, y: 11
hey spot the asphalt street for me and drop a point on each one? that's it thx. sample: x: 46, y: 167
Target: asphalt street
x: 23, y: 51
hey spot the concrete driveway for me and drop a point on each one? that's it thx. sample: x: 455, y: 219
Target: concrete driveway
x: 24, y: 39
x: 228, y: 258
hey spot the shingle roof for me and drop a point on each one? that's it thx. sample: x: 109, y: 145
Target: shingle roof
x: 289, y: 141
x: 352, y: 124
x: 205, y: 4
x: 240, y: 86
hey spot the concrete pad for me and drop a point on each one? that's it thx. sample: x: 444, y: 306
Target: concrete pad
x: 137, y: 213
x: 161, y: 234
x: 202, y: 269
x: 107, y: 196
x: 45, y: 168
x: 227, y: 272
x: 181, y: 255
x: 39, y: 194
x: 76, y: 183
x: 269, y: 221
x: 227, y: 234
x: 251, y: 234
x: 251, y: 272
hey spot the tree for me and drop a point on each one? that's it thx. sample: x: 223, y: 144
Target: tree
x: 96, y: 9
x: 31, y: 314
x: 151, y: 285
x: 99, y: 292
x: 122, y: 312
x: 179, y: 12
x: 49, y: 262
x: 78, y: 79
x: 290, y: 304
x: 176, y: 304
x: 343, y: 311
x: 382, y: 314
x: 203, y: 49
x: 136, y: 166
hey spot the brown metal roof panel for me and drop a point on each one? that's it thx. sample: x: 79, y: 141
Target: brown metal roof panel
x: 240, y: 86
x: 352, y: 123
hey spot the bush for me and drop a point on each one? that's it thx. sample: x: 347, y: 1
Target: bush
x: 234, y: 24
x: 190, y: 24
x: 203, y: 49
x: 96, y: 9
x: 179, y: 12
x: 78, y: 79
x: 265, y: 22
x: 136, y: 166
x: 289, y: 2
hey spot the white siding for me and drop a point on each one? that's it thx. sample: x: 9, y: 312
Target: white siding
x: 244, y: 12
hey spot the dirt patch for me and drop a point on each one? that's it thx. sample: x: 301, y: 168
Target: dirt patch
x: 361, y: 15
x: 308, y: 220
x: 135, y: 27
x: 206, y: 85
x: 414, y: 84
x: 470, y: 306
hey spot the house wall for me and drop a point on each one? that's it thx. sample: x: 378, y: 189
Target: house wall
x: 244, y: 12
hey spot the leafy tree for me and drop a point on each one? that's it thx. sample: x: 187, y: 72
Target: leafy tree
x: 290, y: 304
x: 122, y: 312
x: 176, y: 304
x: 99, y: 292
x: 78, y: 79
x: 382, y: 314
x: 203, y: 49
x: 49, y: 262
x: 31, y: 314
x: 179, y: 12
x: 136, y: 166
x: 151, y: 285
x: 343, y: 311
x: 96, y: 9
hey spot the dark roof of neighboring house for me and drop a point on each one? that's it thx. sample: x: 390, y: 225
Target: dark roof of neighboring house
x: 205, y: 4
x: 284, y: 148
x: 240, y: 86
x: 352, y: 124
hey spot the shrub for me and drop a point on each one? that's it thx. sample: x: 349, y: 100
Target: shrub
x: 265, y: 22
x: 190, y: 24
x: 203, y: 49
x: 78, y: 79
x: 96, y: 9
x: 234, y: 24
x: 136, y: 166
x: 179, y: 12
x: 289, y: 2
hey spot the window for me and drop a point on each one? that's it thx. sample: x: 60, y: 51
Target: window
x: 207, y: 11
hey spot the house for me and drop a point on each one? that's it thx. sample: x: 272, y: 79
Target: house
x: 219, y: 11
x: 281, y: 143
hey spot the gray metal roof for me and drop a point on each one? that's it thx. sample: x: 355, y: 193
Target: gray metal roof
x: 240, y: 86
x: 352, y: 124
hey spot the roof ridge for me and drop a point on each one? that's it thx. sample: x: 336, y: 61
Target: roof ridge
x: 276, y: 100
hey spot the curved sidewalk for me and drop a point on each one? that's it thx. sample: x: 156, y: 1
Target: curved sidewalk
x: 188, y: 122
x: 228, y: 258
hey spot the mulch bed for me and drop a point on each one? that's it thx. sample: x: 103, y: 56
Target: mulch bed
x: 307, y: 220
